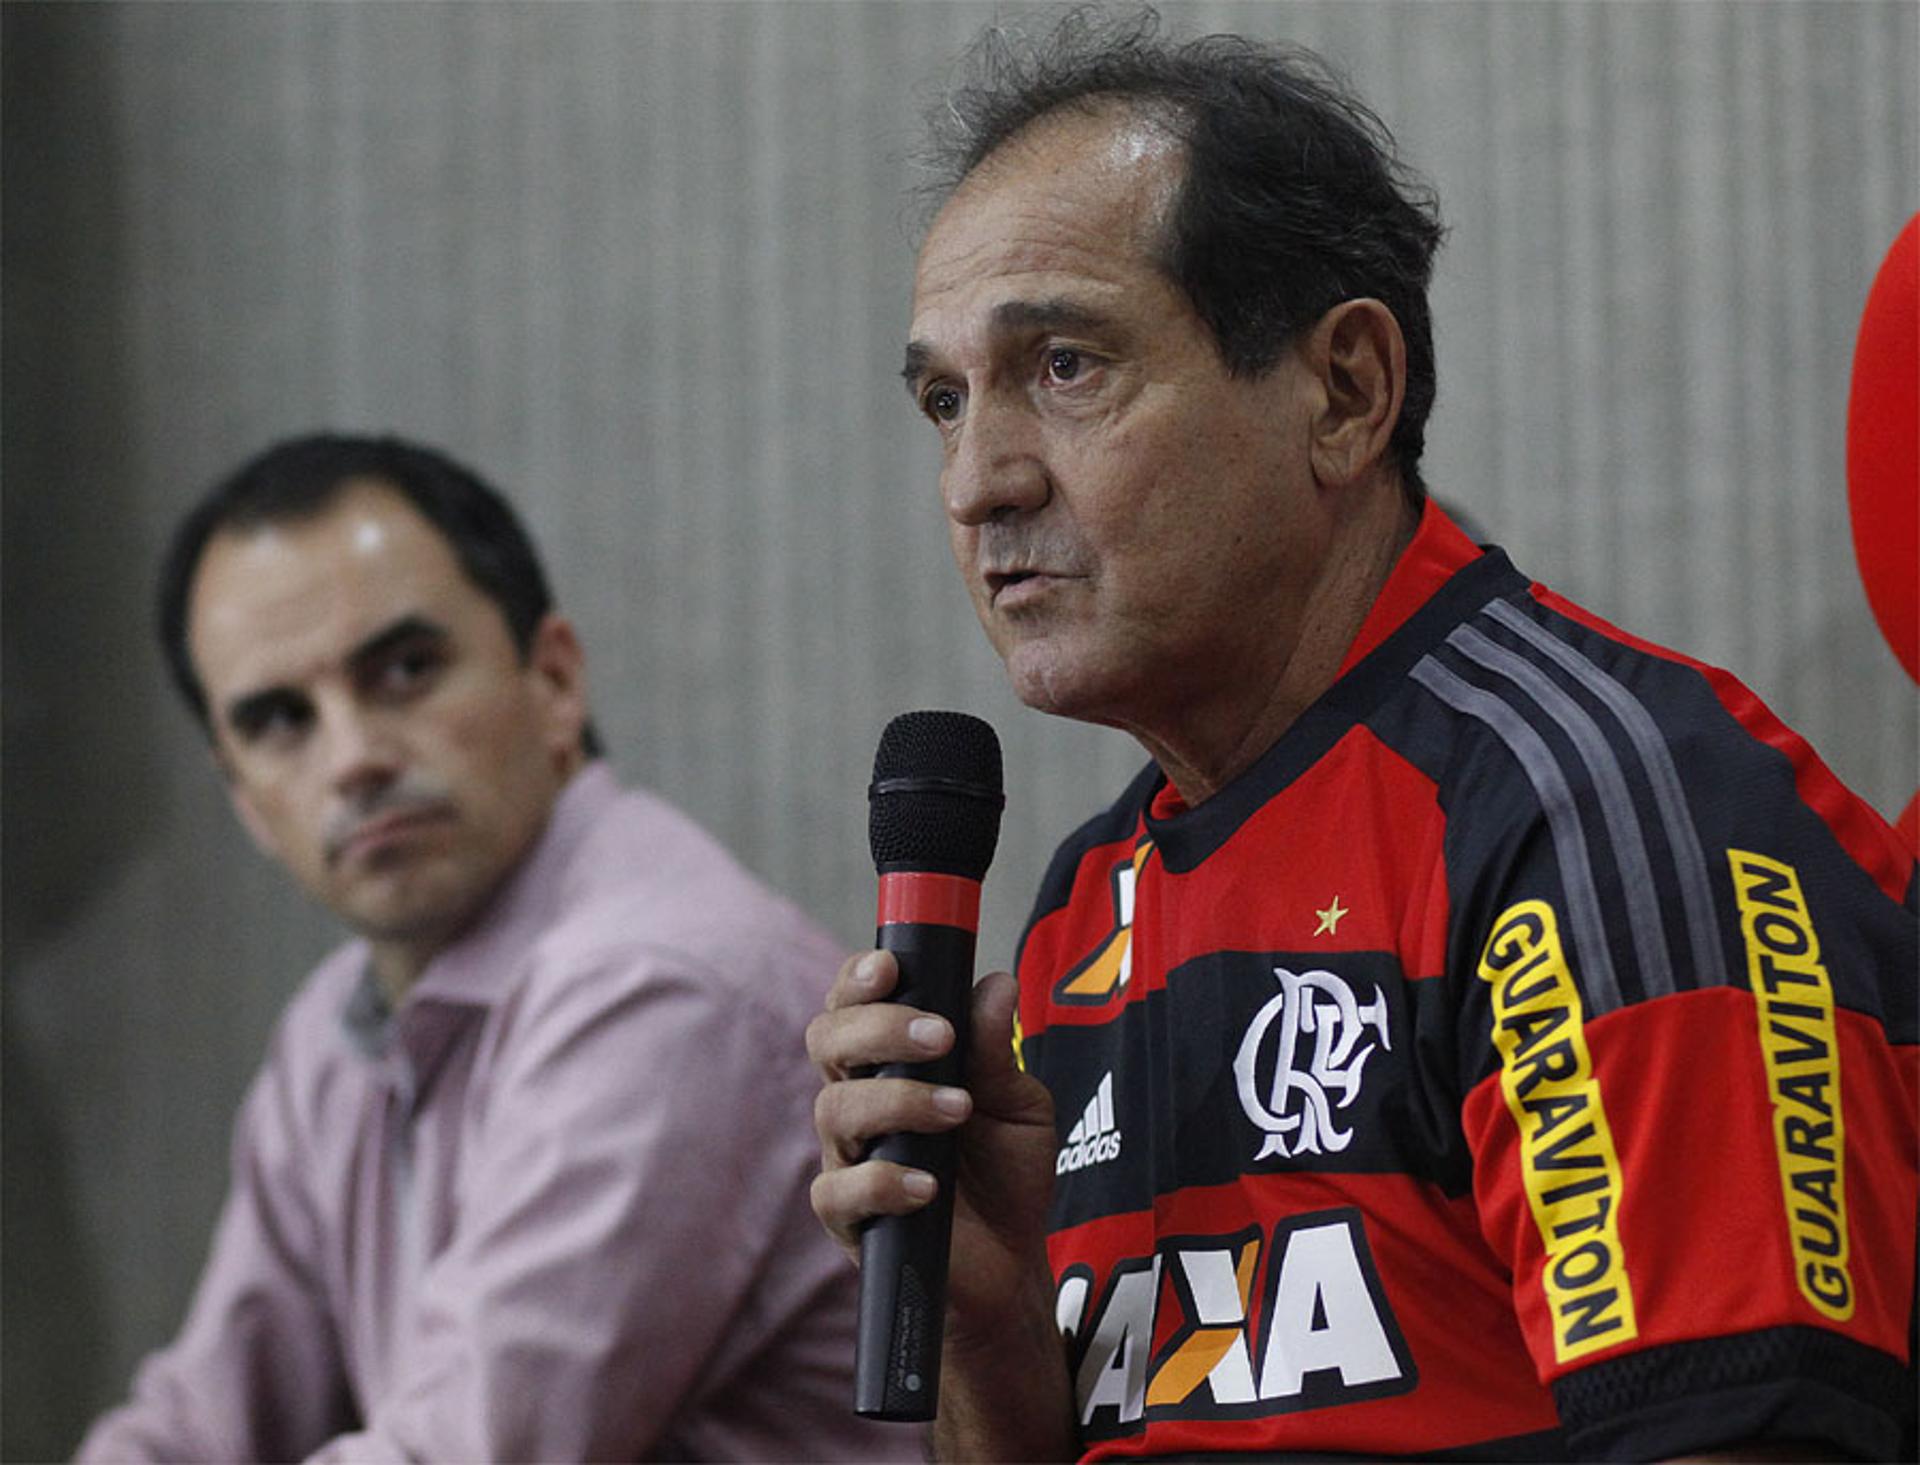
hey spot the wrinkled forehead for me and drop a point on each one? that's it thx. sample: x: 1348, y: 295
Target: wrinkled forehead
x: 1080, y: 190
x: 1107, y: 144
x: 1099, y: 130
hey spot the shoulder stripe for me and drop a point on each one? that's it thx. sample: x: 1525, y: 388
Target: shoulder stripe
x: 1696, y: 889
x: 1610, y: 784
x: 1602, y: 987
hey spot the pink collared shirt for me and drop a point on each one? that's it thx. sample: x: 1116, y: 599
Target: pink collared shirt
x: 554, y: 1208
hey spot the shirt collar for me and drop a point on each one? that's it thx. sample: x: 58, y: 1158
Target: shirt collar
x: 1440, y: 579
x: 1437, y: 550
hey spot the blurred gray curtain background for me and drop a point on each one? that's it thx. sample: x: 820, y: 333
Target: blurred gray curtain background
x: 647, y: 266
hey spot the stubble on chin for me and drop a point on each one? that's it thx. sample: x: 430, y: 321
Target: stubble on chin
x: 1042, y: 675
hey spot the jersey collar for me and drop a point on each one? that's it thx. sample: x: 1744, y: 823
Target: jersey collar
x: 1440, y: 579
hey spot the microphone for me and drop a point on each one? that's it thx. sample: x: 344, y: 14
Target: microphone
x: 933, y: 820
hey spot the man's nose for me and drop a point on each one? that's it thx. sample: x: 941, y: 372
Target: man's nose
x: 997, y: 466
x: 362, y: 752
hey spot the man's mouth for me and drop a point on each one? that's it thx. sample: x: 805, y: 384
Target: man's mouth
x: 1011, y: 587
x: 371, y: 835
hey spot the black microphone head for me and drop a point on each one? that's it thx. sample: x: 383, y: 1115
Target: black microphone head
x: 936, y: 796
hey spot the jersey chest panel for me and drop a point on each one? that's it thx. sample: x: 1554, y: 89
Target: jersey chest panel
x: 1261, y: 1195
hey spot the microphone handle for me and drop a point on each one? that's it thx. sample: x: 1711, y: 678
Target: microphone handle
x: 903, y: 1259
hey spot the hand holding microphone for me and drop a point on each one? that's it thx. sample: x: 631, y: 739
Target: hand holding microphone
x: 894, y: 1046
x: 933, y: 820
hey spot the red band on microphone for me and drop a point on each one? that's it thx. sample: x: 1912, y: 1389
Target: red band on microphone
x: 919, y: 898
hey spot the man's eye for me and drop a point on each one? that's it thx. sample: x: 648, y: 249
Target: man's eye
x: 407, y: 670
x: 942, y: 403
x: 274, y: 723
x: 1064, y: 364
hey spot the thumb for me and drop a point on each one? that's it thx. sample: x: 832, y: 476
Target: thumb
x: 996, y: 999
x: 994, y: 1075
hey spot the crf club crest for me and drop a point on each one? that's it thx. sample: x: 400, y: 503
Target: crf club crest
x: 1297, y: 1055
x: 1303, y: 1059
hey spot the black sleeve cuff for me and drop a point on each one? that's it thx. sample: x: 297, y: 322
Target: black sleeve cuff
x: 1787, y: 1384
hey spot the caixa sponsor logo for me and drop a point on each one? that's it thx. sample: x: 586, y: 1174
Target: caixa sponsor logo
x: 1242, y: 1325
x: 1095, y: 1139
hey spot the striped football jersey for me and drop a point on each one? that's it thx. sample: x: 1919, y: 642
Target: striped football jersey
x: 1518, y: 1061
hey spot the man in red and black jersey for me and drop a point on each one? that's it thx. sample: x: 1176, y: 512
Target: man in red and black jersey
x: 1476, y: 1033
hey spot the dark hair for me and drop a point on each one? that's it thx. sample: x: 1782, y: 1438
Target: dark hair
x: 1293, y: 200
x: 301, y: 477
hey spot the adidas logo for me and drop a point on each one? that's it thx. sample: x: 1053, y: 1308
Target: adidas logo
x: 1094, y: 1140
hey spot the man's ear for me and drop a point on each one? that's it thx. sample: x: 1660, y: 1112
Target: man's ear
x: 1358, y: 355
x: 558, y: 665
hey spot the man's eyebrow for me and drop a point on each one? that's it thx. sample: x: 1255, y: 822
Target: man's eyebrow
x: 252, y: 707
x: 1057, y: 313
x: 919, y: 354
x: 395, y: 633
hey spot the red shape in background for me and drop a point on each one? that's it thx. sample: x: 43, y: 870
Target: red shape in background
x: 1883, y: 447
x: 1883, y: 460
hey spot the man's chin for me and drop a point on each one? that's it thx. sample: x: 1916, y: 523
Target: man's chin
x: 420, y: 912
x: 1049, y: 681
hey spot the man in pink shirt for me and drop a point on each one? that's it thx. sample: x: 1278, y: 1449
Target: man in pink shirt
x: 524, y: 1175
